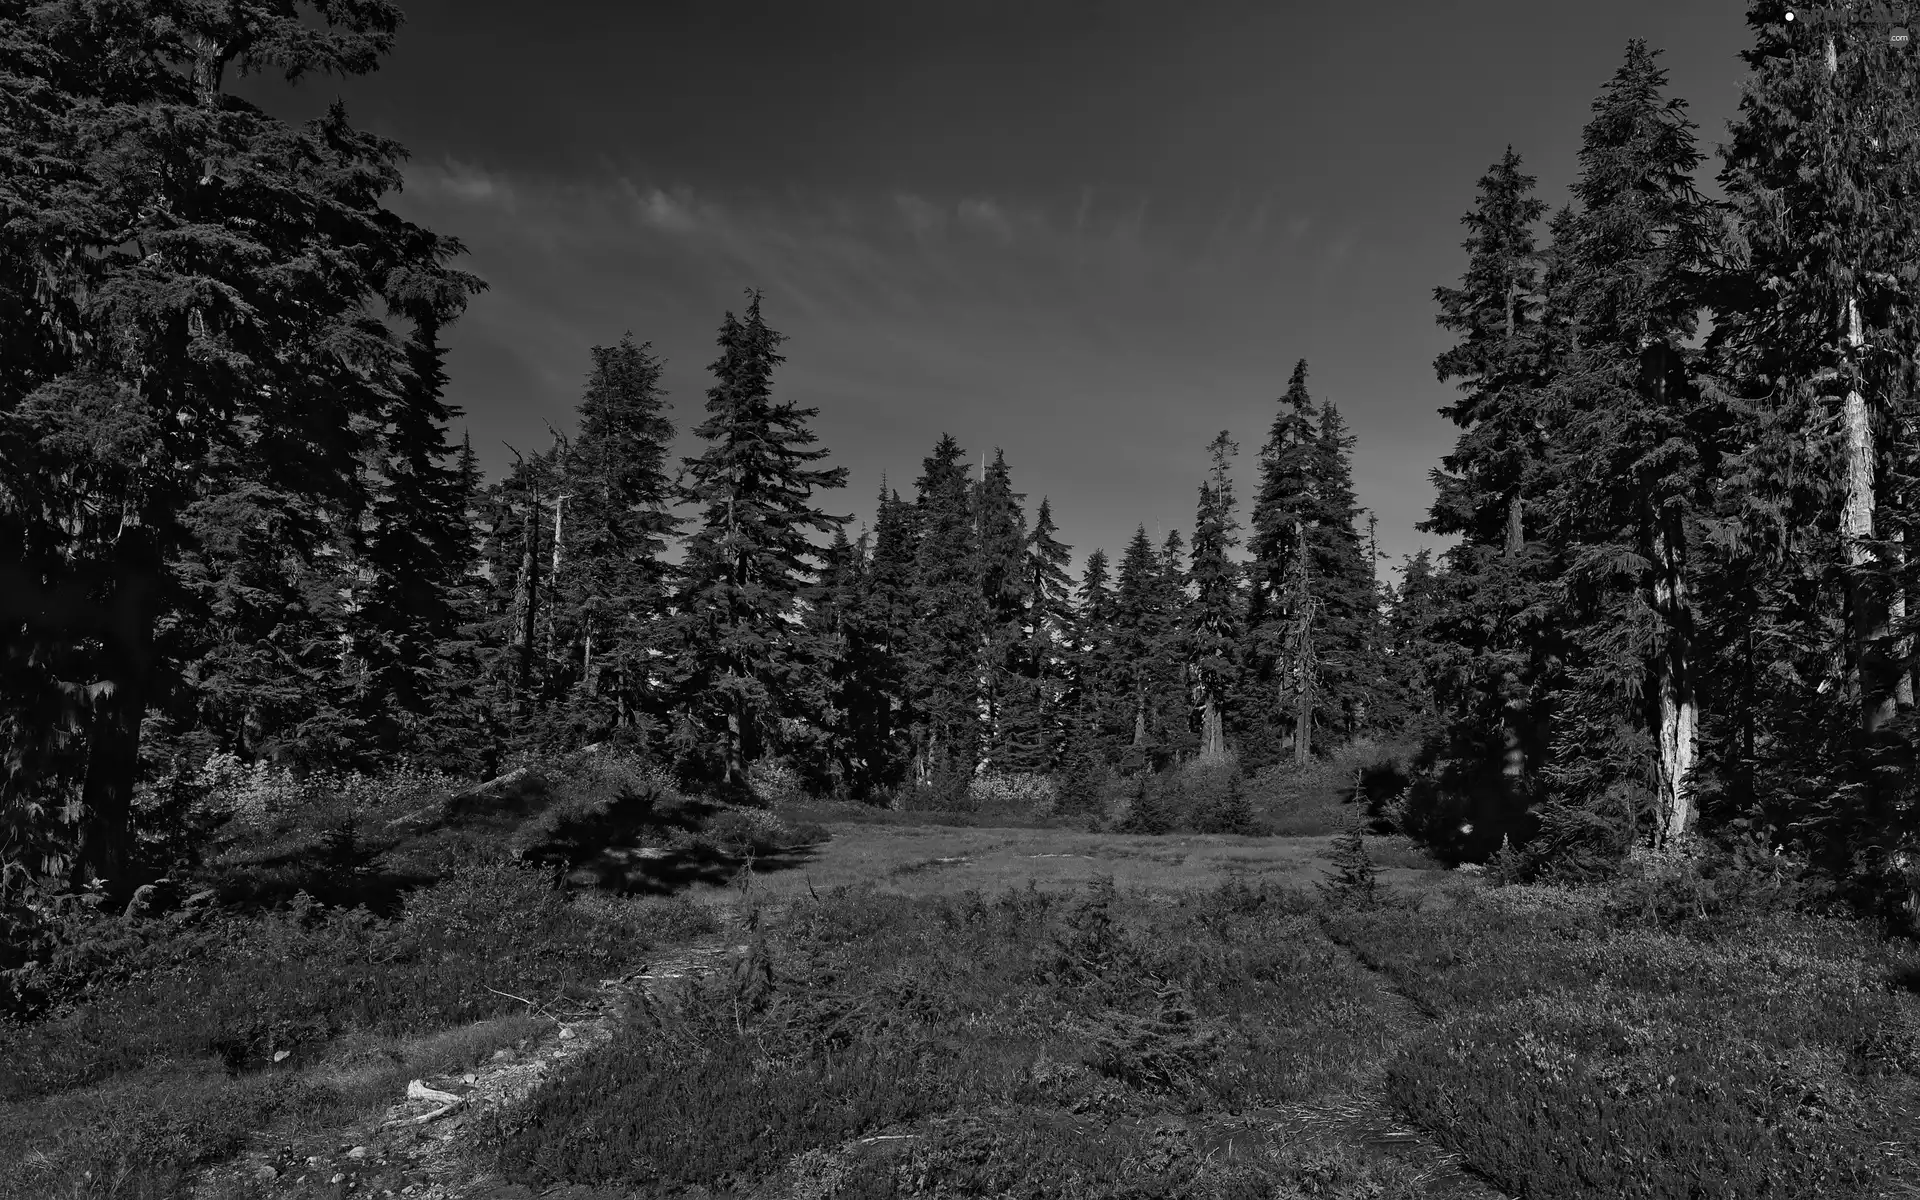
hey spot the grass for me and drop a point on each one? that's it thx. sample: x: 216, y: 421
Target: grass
x: 1032, y: 1041
x: 940, y: 1008
x: 144, y: 1049
x: 1581, y: 1052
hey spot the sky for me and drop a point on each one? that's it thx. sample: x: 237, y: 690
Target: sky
x: 1089, y: 234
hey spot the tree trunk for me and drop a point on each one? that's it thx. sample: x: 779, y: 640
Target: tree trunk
x: 1866, y: 599
x: 1516, y: 524
x: 1679, y: 709
x: 1213, y: 738
x: 526, y: 604
x: 119, y: 702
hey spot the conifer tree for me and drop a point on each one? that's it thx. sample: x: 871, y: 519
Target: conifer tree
x: 1492, y: 734
x: 618, y: 524
x: 249, y: 357
x: 1002, y: 530
x: 745, y: 662
x: 1144, y: 654
x: 951, y: 618
x: 1631, y: 424
x: 1816, y: 326
x: 418, y: 546
x: 1212, y: 626
x: 1347, y: 607
x: 879, y: 700
x: 1097, y: 699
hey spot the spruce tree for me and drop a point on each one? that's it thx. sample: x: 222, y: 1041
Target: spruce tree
x: 1816, y: 325
x: 1346, y: 605
x: 951, y: 619
x: 1144, y: 654
x: 1005, y: 680
x: 1492, y: 735
x: 1098, y: 701
x: 418, y: 545
x: 879, y: 702
x: 1631, y: 424
x: 1212, y: 625
x: 744, y: 663
x: 619, y: 521
x: 250, y: 357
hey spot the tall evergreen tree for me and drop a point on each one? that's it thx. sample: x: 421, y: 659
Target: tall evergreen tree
x: 1635, y: 435
x: 1347, y: 607
x: 951, y: 618
x: 1212, y: 627
x: 248, y: 356
x: 1816, y: 324
x: 1145, y: 675
x: 1490, y: 679
x: 745, y: 659
x: 619, y: 521
x: 1098, y: 701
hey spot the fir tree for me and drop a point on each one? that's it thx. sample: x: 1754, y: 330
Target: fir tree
x: 249, y: 357
x: 1143, y: 649
x: 619, y: 521
x: 744, y: 662
x: 1212, y: 628
x: 950, y: 619
x: 1631, y: 424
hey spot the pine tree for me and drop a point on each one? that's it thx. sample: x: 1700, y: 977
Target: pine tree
x: 950, y: 619
x: 744, y: 661
x: 879, y: 701
x: 619, y: 522
x: 1005, y: 681
x: 418, y: 546
x: 1491, y: 735
x: 1212, y: 628
x: 1346, y: 605
x: 1098, y: 701
x: 249, y: 357
x: 1631, y: 423
x: 1815, y: 326
x: 1143, y: 648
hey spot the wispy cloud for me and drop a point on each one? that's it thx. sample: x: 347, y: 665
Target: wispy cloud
x: 1004, y: 319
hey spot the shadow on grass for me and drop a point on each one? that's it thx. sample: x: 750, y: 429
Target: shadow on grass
x: 650, y: 871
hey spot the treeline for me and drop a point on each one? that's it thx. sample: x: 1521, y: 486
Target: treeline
x: 1682, y: 600
x: 946, y: 639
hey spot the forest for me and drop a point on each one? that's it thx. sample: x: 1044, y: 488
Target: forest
x: 245, y: 551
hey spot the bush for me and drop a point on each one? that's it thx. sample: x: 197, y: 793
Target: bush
x: 1579, y: 1057
x: 1017, y: 793
x: 240, y: 988
x: 872, y: 1011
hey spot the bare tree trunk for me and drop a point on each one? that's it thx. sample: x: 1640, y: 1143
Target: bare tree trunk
x: 1865, y: 598
x: 1213, y: 739
x: 1516, y: 524
x: 1679, y: 710
x: 526, y: 603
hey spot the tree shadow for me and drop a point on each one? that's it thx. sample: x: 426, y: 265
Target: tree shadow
x: 655, y: 871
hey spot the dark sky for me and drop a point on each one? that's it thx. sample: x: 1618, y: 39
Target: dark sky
x: 1092, y: 234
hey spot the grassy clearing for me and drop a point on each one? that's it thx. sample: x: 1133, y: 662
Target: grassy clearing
x: 1581, y: 1051
x: 360, y: 944
x: 1251, y: 1041
x: 877, y: 1045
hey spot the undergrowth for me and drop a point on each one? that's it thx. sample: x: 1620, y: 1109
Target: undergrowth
x: 871, y: 1011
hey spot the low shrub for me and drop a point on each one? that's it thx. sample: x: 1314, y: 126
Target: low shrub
x: 241, y: 988
x: 871, y: 1011
x: 1206, y: 795
x: 1580, y: 1056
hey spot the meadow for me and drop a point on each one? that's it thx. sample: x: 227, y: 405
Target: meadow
x: 629, y: 992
